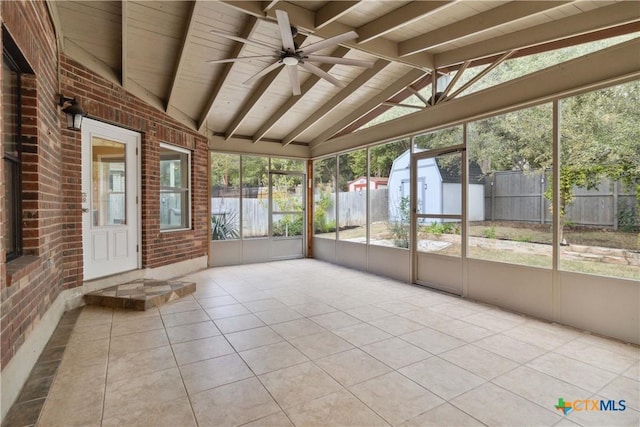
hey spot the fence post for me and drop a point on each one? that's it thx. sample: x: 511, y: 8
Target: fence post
x: 615, y: 205
x: 542, y: 210
x: 493, y: 196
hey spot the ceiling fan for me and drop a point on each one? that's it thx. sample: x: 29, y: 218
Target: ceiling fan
x: 292, y: 57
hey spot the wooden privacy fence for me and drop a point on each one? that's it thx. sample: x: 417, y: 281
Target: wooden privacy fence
x: 519, y: 196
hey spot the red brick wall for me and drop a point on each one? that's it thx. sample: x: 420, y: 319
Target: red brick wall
x: 108, y: 102
x: 31, y: 283
x: 52, y: 218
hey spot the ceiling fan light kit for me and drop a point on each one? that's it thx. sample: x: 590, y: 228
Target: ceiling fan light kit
x: 290, y: 55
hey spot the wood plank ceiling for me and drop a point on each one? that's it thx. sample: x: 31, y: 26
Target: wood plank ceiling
x: 159, y: 51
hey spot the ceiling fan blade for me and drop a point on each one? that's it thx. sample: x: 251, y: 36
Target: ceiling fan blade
x: 320, y: 73
x: 285, y: 30
x: 242, y: 40
x: 295, y: 79
x: 222, y: 61
x: 263, y: 72
x: 344, y: 61
x: 332, y: 41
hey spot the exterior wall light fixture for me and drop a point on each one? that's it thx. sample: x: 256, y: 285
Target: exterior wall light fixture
x: 73, y: 111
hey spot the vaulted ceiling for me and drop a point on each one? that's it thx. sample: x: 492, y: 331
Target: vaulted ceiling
x: 160, y: 52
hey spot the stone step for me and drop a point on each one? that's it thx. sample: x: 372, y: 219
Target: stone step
x: 140, y: 294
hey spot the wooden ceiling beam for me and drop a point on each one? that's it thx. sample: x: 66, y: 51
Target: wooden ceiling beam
x: 583, y: 23
x: 475, y: 24
x: 369, y: 105
x: 180, y: 63
x: 311, y: 81
x: 332, y: 11
x: 398, y: 18
x: 249, y: 28
x: 305, y: 20
x: 336, y: 100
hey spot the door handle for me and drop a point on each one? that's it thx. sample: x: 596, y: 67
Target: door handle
x: 85, y: 210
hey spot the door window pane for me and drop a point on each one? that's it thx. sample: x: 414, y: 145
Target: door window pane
x: 288, y: 204
x: 255, y: 197
x: 175, y: 207
x: 108, y: 186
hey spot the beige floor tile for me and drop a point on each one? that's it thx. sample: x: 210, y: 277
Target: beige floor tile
x: 80, y: 354
x: 296, y: 299
x: 628, y: 417
x: 621, y: 348
x: 184, y: 318
x: 202, y: 349
x: 66, y: 411
x: 208, y: 291
x: 162, y: 414
x: 313, y: 308
x: 253, y: 338
x: 511, y: 348
x: 227, y: 311
x: 397, y: 307
x: 127, y: 315
x: 179, y: 306
x: 136, y: 392
x: 335, y: 320
x: 352, y: 366
x: 633, y: 372
x: 298, y: 384
x: 320, y: 345
x: 336, y: 409
x: 426, y: 317
x: 94, y: 315
x: 233, y: 404
x: 264, y: 305
x: 432, y: 341
x: 538, y: 387
x: 395, y: 397
x: 131, y: 365
x: 548, y: 339
x: 441, y: 377
x: 572, y: 371
x: 278, y: 315
x: 238, y: 323
x: 210, y: 373
x: 603, y: 358
x: 497, y: 323
x: 463, y: 330
x: 86, y: 333
x: 139, y: 325
x: 272, y: 357
x: 344, y: 302
x: 217, y: 301
x: 279, y: 419
x: 137, y: 342
x: 297, y: 328
x: 444, y: 415
x: 396, y: 325
x: 623, y: 388
x: 513, y: 410
x: 395, y: 352
x: 367, y: 313
x: 479, y: 361
x: 248, y: 295
x: 361, y: 334
x: 192, y: 331
x: 457, y: 310
x: 74, y: 382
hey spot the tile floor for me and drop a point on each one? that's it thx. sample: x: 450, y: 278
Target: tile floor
x: 307, y: 343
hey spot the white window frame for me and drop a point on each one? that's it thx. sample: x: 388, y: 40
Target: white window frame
x: 187, y: 190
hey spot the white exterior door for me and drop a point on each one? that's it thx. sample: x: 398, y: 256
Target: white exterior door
x: 109, y: 199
